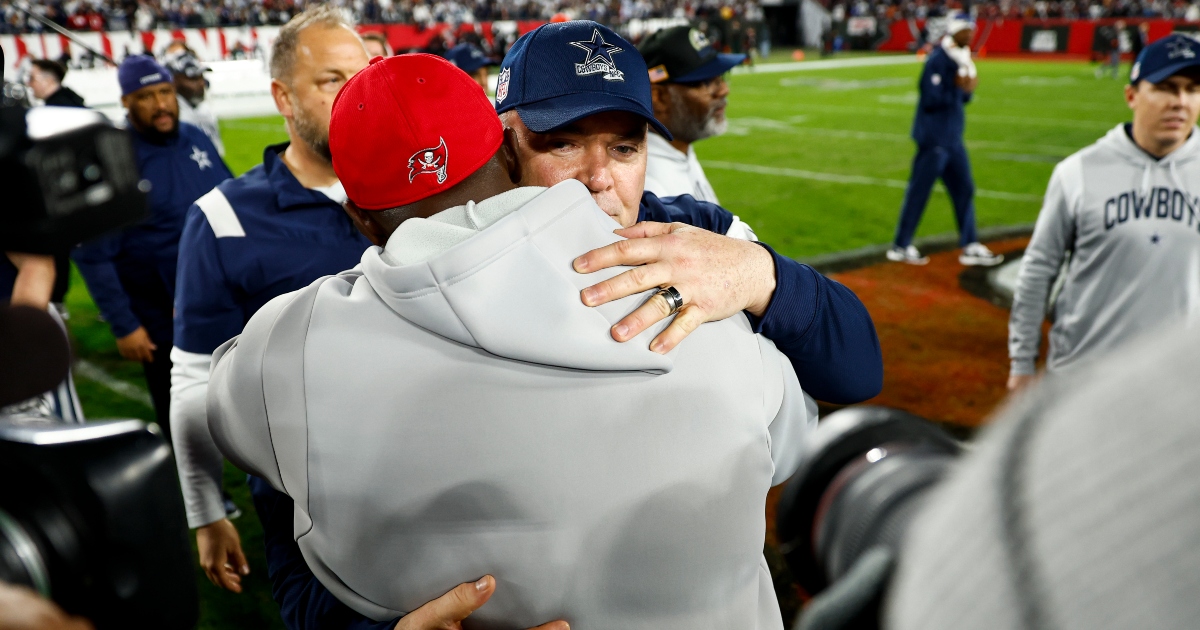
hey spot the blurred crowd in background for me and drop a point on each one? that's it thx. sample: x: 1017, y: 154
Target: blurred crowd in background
x: 892, y: 10
x: 146, y: 15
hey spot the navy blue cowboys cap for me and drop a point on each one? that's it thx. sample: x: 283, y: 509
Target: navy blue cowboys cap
x: 467, y: 57
x: 682, y: 54
x: 560, y: 73
x: 1164, y: 58
x: 138, y: 71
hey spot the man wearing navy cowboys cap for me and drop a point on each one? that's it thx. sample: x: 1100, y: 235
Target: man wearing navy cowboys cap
x: 131, y: 273
x: 471, y: 59
x: 1124, y: 214
x: 578, y: 98
x: 689, y: 92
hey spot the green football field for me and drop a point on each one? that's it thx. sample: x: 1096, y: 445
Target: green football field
x: 815, y: 161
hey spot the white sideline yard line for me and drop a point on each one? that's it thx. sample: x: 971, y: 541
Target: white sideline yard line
x: 93, y: 372
x: 852, y: 179
x: 827, y: 64
x: 903, y: 137
x: 907, y: 112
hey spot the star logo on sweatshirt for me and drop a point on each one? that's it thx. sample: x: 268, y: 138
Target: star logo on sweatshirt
x: 201, y: 158
x: 1154, y: 239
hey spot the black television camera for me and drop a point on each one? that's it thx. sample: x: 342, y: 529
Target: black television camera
x: 91, y: 514
x: 92, y: 517
x: 842, y: 516
x: 67, y: 176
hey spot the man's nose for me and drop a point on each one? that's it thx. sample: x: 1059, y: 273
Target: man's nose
x: 164, y: 100
x: 595, y: 173
x: 722, y: 87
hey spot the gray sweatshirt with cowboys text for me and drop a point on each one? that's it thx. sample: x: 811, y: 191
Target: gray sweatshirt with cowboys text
x: 1131, y: 225
x: 450, y: 408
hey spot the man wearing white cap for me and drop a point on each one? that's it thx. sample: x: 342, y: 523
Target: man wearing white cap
x: 947, y: 84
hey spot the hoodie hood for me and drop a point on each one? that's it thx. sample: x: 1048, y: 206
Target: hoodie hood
x: 510, y: 288
x: 1119, y: 142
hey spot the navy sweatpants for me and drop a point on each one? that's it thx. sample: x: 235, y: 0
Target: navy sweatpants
x: 952, y: 166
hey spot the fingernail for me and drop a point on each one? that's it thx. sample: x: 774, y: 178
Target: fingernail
x: 589, y: 295
x: 482, y: 584
x: 580, y: 264
x: 658, y: 347
x: 245, y: 569
x: 620, y: 329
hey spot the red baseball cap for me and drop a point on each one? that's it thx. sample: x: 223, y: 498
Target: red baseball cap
x: 409, y: 127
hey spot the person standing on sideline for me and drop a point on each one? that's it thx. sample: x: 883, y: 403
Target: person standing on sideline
x: 45, y: 81
x: 131, y: 273
x: 947, y: 84
x: 471, y: 59
x: 688, y: 90
x: 1125, y: 208
x: 191, y: 86
x: 275, y: 229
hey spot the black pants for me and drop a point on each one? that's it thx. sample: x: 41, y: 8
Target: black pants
x: 158, y: 380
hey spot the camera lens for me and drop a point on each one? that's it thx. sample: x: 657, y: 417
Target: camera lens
x: 865, y: 472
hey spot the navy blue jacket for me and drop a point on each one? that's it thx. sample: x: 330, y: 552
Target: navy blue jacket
x: 819, y: 324
x: 131, y: 273
x: 940, y: 118
x: 252, y: 239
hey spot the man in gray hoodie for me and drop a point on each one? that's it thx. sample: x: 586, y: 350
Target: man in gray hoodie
x: 451, y: 408
x: 1124, y: 213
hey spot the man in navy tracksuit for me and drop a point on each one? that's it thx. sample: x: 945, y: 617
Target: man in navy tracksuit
x: 819, y: 324
x: 947, y: 84
x: 131, y: 273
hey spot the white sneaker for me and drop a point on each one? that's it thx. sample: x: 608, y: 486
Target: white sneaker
x: 978, y: 255
x: 908, y: 255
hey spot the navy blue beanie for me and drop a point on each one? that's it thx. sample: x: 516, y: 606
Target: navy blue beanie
x: 138, y: 71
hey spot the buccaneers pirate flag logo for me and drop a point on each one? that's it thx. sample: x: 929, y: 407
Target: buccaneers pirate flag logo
x: 430, y: 161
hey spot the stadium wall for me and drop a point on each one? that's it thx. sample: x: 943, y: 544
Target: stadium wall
x: 1033, y: 38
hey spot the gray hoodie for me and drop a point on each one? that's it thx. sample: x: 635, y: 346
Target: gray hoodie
x: 1131, y: 225
x: 450, y: 408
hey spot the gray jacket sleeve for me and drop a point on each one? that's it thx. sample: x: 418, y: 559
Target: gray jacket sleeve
x: 793, y: 412
x: 1053, y: 237
x: 237, y: 412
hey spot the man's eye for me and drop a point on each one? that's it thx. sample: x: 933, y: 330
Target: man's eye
x: 625, y: 149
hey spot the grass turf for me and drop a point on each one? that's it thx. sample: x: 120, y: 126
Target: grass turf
x: 818, y: 128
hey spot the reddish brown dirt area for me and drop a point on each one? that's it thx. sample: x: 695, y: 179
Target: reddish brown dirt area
x: 945, y: 351
x: 945, y: 358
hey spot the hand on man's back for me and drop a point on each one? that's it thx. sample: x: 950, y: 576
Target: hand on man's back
x: 448, y: 611
x: 716, y: 275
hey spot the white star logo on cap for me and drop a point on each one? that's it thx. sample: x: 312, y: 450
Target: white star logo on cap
x: 1180, y: 48
x: 599, y: 58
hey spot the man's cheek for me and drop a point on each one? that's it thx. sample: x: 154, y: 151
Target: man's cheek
x: 540, y: 171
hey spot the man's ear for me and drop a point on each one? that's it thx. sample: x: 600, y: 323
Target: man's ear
x: 365, y: 221
x: 283, y: 98
x: 660, y: 98
x: 510, y: 157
